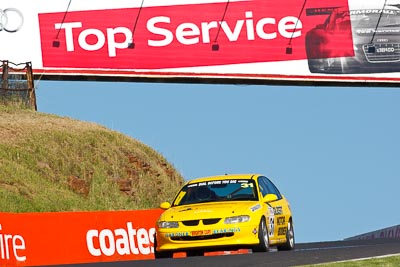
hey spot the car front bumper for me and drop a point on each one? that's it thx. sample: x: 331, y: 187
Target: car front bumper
x: 207, y: 238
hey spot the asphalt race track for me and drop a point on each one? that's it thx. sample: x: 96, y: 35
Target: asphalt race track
x: 307, y: 253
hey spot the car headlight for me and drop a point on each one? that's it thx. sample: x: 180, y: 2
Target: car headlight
x: 237, y: 219
x: 164, y: 224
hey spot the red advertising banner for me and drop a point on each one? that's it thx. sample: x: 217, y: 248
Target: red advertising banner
x: 236, y: 41
x: 208, y: 34
x: 38, y: 239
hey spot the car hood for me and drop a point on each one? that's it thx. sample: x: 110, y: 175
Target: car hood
x: 210, y: 210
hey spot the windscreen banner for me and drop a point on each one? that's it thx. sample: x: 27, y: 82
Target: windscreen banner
x: 243, y: 40
x: 39, y: 239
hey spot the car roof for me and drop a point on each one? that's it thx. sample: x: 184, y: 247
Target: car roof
x: 224, y: 177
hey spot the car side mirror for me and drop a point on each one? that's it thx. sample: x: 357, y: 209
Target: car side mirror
x: 270, y: 197
x: 165, y: 205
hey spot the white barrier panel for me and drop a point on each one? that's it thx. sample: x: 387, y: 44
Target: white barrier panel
x: 390, y: 232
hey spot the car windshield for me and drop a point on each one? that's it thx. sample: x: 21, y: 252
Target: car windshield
x: 370, y: 18
x: 217, y: 190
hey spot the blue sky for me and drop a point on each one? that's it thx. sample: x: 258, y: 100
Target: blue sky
x: 334, y: 152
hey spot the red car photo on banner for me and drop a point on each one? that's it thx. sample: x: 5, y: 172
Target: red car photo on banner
x: 190, y: 35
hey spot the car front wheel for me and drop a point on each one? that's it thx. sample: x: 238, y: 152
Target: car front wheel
x: 289, y: 245
x: 161, y: 254
x: 194, y: 253
x: 263, y: 246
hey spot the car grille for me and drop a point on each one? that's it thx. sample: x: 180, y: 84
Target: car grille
x: 202, y: 237
x: 382, y: 52
x: 191, y: 222
x: 205, y: 222
x: 211, y: 221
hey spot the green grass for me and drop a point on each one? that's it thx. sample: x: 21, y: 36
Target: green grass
x: 39, y: 153
x: 390, y: 261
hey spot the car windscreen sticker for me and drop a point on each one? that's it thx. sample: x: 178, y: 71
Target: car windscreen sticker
x: 245, y: 183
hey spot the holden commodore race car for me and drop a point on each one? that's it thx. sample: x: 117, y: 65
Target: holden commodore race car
x: 226, y: 212
x: 374, y: 32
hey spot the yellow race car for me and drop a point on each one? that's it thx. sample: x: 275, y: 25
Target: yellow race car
x: 226, y: 212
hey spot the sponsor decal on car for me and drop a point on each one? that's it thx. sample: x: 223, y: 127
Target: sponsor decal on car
x: 179, y: 234
x: 201, y: 232
x: 271, y: 221
x: 278, y: 210
x: 255, y: 208
x: 281, y: 220
x: 227, y: 230
x: 282, y: 230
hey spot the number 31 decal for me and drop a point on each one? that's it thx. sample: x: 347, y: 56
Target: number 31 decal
x: 246, y: 185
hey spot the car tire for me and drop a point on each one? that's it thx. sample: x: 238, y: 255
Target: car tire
x: 289, y: 245
x: 194, y: 253
x: 263, y: 237
x: 161, y: 254
x: 323, y: 66
x: 315, y: 65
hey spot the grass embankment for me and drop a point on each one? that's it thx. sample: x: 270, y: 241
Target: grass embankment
x: 391, y: 261
x: 51, y: 163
